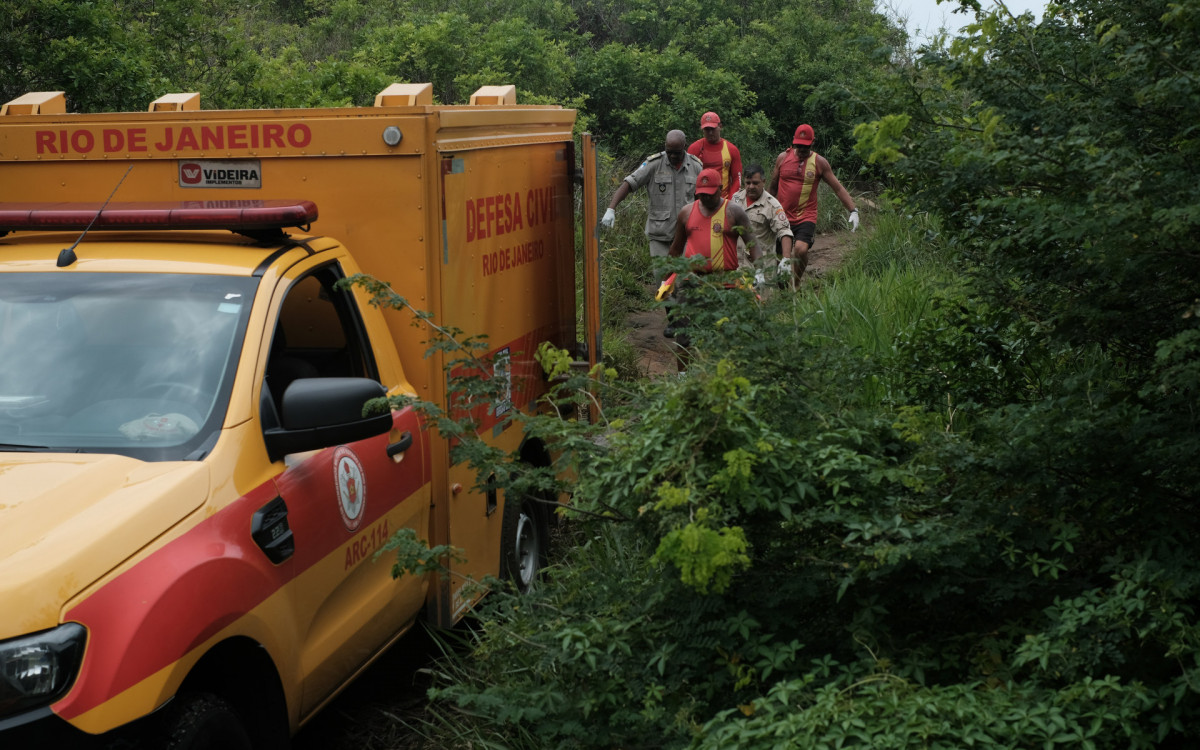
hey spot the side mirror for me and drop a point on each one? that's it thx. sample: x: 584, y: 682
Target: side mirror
x: 322, y: 412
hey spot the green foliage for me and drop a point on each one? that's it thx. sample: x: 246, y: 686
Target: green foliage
x: 879, y: 141
x: 1059, y: 154
x: 414, y: 556
x: 888, y: 513
x: 883, y: 711
x: 431, y: 49
x: 576, y: 664
x: 900, y: 241
x: 84, y: 49
x: 633, y: 69
x: 639, y: 94
x: 808, y: 63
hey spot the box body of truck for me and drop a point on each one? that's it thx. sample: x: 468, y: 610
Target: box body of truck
x: 220, y: 527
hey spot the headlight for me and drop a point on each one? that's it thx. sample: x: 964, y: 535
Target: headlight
x: 37, y: 669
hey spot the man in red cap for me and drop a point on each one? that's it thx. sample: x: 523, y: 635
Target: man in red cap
x: 717, y: 153
x: 709, y: 228
x: 794, y: 181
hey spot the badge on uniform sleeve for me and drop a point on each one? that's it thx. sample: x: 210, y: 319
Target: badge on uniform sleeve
x: 351, y: 487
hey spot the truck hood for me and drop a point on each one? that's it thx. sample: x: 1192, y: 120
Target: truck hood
x: 66, y: 520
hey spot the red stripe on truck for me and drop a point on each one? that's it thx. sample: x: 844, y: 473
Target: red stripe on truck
x: 181, y: 595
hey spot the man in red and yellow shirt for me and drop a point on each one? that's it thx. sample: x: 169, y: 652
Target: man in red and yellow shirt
x: 717, y: 153
x: 794, y: 181
x: 710, y: 227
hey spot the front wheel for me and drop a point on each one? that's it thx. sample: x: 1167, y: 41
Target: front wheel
x: 202, y: 721
x: 525, y: 540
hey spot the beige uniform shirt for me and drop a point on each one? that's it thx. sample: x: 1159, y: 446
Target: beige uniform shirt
x: 768, y: 221
x: 670, y: 189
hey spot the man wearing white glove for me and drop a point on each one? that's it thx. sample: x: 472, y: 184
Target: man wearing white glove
x: 794, y: 181
x: 669, y: 178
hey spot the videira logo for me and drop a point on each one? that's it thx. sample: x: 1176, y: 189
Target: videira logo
x: 190, y: 173
x: 221, y: 173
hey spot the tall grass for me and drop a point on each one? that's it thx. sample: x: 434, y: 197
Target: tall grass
x: 866, y: 311
x: 885, y: 289
x: 831, y: 214
x: 902, y: 240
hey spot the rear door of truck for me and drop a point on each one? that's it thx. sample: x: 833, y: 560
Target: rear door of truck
x: 508, y: 271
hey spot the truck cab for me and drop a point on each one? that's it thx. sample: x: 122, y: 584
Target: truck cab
x: 198, y: 459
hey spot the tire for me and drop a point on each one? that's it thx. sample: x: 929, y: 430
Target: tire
x: 202, y: 721
x: 525, y: 542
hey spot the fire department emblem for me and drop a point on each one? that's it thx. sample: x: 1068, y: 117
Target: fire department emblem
x: 351, y: 487
x: 717, y: 228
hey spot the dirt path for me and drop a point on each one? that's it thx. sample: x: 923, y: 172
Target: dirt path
x: 646, y: 327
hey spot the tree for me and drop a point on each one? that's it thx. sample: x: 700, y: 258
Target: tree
x: 1060, y: 154
x: 84, y: 49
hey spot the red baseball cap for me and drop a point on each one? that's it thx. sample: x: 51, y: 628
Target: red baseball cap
x: 710, y: 120
x: 804, y: 135
x: 708, y: 182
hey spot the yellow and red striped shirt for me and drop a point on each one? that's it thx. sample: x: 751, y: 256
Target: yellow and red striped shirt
x: 712, y: 238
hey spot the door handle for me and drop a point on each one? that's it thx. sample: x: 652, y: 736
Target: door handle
x: 404, y: 443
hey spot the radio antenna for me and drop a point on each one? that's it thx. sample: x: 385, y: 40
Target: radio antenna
x: 67, y: 256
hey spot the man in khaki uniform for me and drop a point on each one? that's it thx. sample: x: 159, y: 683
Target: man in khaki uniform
x: 768, y: 220
x: 669, y: 178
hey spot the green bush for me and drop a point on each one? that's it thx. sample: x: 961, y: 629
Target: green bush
x: 803, y: 543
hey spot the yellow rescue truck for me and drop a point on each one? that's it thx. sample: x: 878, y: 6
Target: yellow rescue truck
x: 191, y: 497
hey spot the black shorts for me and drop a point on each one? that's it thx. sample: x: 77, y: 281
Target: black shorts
x: 804, y: 232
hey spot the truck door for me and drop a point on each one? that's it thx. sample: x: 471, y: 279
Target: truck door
x: 344, y: 501
x: 508, y: 273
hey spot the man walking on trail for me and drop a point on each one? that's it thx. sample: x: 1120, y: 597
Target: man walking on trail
x: 709, y: 228
x: 768, y: 221
x: 670, y: 178
x: 717, y: 153
x: 794, y: 181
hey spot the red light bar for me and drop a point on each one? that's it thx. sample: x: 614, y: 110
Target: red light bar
x: 236, y: 216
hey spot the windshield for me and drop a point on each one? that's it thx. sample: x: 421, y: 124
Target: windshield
x: 136, y: 364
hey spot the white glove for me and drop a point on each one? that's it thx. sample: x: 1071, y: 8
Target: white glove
x: 610, y: 217
x: 853, y: 220
x: 785, y: 267
x: 760, y: 278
